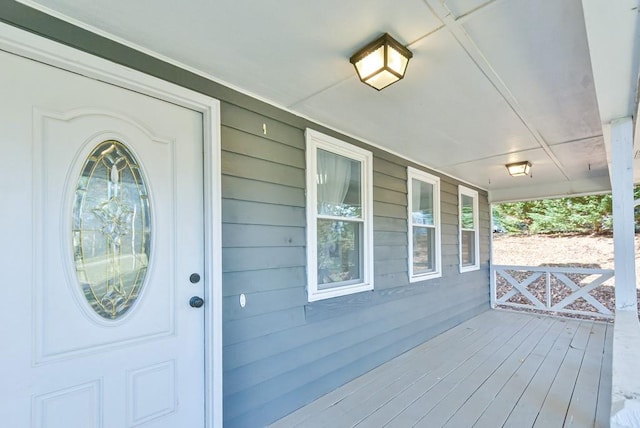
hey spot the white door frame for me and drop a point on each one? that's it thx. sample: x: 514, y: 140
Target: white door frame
x: 40, y: 49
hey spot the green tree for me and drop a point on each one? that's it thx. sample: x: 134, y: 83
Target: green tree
x: 585, y: 214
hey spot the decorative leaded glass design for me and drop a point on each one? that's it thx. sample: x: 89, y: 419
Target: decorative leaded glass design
x: 111, y: 229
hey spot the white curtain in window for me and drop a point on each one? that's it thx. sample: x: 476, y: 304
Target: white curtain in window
x: 334, y: 175
x: 415, y: 201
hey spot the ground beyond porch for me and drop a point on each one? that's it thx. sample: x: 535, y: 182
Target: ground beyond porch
x: 497, y: 369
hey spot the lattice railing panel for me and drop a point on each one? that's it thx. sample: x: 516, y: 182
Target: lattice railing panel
x: 570, y: 290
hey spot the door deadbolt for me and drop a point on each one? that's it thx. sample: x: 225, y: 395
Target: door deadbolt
x: 196, y: 302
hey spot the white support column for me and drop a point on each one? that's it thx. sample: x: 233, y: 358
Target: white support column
x: 625, y: 382
x: 623, y: 221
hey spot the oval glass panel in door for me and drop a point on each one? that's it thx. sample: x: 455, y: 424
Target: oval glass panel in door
x: 111, y: 229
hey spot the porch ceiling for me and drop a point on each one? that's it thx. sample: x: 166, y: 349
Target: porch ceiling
x: 491, y: 81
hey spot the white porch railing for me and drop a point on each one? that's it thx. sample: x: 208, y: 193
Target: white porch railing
x: 568, y: 290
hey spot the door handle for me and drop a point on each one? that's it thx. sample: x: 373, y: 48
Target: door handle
x: 196, y: 302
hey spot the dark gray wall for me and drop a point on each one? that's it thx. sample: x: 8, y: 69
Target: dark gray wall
x: 281, y: 352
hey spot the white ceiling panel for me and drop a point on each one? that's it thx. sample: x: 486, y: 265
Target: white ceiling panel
x: 539, y: 49
x: 583, y: 159
x: 281, y: 50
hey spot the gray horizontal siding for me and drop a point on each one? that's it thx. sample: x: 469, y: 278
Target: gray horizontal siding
x: 390, y: 183
x: 380, y: 194
x: 255, y: 281
x: 253, y: 146
x: 387, y: 252
x: 281, y: 351
x: 262, y: 303
x: 328, y: 373
x: 261, y: 170
x: 450, y: 186
x: 390, y: 168
x: 391, y: 266
x: 390, y: 225
x: 384, y: 238
x: 450, y: 210
x: 249, y: 328
x: 391, y: 280
x: 256, y: 191
x: 250, y: 122
x: 247, y: 212
x: 382, y: 209
x: 243, y: 259
x: 252, y: 352
x: 259, y: 235
x: 398, y: 314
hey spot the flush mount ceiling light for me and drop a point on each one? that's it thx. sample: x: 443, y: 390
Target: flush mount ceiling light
x: 382, y: 62
x: 518, y: 169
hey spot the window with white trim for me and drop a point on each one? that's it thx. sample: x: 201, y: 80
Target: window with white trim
x: 424, y: 225
x: 469, y: 236
x: 339, y: 217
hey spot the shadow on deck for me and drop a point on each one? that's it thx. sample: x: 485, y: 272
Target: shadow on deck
x: 499, y: 369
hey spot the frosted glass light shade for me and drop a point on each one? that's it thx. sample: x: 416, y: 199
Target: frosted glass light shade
x: 519, y: 168
x: 382, y: 62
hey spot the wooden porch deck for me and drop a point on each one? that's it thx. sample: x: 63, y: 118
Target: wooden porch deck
x: 499, y: 369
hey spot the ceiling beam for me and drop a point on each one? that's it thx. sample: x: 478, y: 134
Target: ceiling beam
x: 560, y: 189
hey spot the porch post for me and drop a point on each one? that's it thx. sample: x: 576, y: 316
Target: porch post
x: 625, y: 379
x: 623, y: 221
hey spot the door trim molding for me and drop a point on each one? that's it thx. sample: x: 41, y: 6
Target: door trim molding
x: 28, y: 45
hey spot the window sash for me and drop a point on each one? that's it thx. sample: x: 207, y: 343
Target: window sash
x: 467, y: 218
x: 343, y: 263
x: 469, y: 245
x: 339, y: 264
x: 431, y: 250
x: 424, y: 252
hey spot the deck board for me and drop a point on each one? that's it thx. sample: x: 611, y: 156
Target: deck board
x: 603, y: 408
x: 409, y: 407
x: 452, y: 401
x: 554, y: 408
x: 585, y: 393
x: 525, y: 412
x: 500, y: 368
x: 485, y: 393
x: 503, y: 401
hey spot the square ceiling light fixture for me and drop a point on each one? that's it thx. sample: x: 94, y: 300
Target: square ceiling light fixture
x: 519, y: 169
x: 382, y: 62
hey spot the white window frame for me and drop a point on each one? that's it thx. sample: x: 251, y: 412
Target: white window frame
x: 473, y: 194
x: 314, y: 141
x: 416, y: 174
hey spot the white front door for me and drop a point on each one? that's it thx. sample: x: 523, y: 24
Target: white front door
x: 102, y: 252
